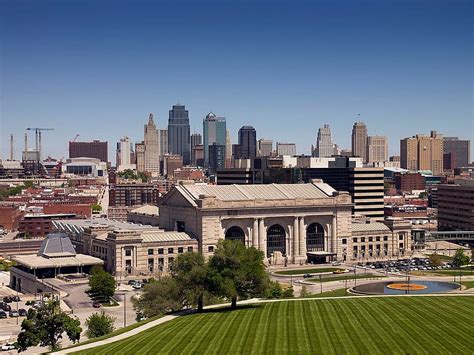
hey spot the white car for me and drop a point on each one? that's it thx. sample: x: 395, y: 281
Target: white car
x: 8, y: 347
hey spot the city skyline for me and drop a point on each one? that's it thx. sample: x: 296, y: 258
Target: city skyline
x: 406, y: 69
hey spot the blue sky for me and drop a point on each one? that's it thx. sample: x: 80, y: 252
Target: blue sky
x: 98, y: 68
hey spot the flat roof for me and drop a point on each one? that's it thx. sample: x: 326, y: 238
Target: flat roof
x: 33, y: 261
x: 78, y: 225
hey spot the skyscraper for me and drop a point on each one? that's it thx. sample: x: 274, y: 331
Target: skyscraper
x: 123, y: 154
x: 163, y: 142
x: 140, y: 156
x: 377, y: 149
x: 422, y: 152
x: 247, y: 142
x: 460, y: 150
x: 324, y: 146
x: 214, y: 129
x: 179, y: 133
x: 228, y: 150
x: 152, y: 147
x: 265, y: 147
x: 216, y: 157
x: 359, y: 141
x: 196, y: 139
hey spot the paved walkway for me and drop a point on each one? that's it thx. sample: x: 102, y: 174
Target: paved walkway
x: 250, y: 301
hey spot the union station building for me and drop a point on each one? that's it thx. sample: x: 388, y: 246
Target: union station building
x: 290, y: 223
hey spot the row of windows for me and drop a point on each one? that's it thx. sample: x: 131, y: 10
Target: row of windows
x: 170, y: 250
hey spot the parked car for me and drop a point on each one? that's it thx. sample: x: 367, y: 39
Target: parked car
x: 3, y: 314
x: 132, y: 282
x: 6, y: 307
x: 7, y: 299
x: 16, y: 299
x: 14, y: 314
x: 307, y: 276
x: 8, y: 347
x: 137, y: 285
x: 96, y: 304
x: 22, y: 312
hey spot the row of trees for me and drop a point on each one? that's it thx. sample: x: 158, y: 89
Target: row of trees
x: 233, y: 272
x: 130, y: 174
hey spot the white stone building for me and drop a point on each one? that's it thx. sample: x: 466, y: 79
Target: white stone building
x: 290, y: 223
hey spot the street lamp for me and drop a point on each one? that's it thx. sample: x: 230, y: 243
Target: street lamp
x: 355, y: 275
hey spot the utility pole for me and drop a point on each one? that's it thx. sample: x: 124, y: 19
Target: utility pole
x: 11, y: 146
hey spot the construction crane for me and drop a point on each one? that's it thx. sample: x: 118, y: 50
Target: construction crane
x: 38, y: 139
x: 77, y: 136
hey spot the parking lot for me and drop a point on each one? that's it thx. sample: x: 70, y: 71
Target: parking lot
x: 404, y: 265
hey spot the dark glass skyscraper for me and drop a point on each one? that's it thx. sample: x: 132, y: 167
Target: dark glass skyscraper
x: 179, y: 133
x: 247, y: 142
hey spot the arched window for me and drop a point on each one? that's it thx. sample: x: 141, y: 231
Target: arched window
x: 235, y: 233
x: 276, y: 240
x: 315, y: 237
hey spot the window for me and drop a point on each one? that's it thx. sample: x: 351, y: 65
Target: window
x: 210, y: 249
x: 371, y: 239
x: 170, y: 250
x: 160, y: 251
x: 377, y: 239
x: 315, y: 237
x: 190, y: 249
x: 180, y: 226
x: 235, y: 233
x: 276, y: 240
x: 128, y: 252
x: 354, y: 240
x: 150, y: 251
x: 362, y: 240
x: 400, y: 237
x: 150, y: 265
x: 180, y: 250
x: 385, y: 238
x: 344, y: 241
x: 170, y: 263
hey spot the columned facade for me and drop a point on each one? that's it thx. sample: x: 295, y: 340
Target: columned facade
x: 276, y: 219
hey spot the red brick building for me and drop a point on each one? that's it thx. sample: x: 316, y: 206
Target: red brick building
x: 38, y: 225
x: 409, y: 182
x: 10, y: 216
x: 81, y: 211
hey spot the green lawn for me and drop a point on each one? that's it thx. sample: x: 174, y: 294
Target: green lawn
x: 468, y: 284
x: 350, y: 277
x: 394, y: 325
x: 306, y: 271
x: 340, y: 292
x: 444, y: 272
x: 442, y: 257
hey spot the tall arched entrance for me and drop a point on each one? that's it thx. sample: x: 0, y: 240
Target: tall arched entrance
x: 235, y: 233
x: 315, y: 237
x: 276, y: 240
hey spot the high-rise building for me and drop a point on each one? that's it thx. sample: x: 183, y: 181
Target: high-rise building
x: 152, y: 147
x: 377, y: 149
x: 324, y: 145
x: 214, y: 129
x: 456, y: 206
x: 163, y: 141
x: 198, y: 155
x: 179, y: 133
x: 95, y: 149
x: 422, y: 152
x: 460, y: 150
x: 359, y: 141
x: 123, y: 154
x: 216, y: 157
x: 228, y: 149
x: 265, y: 147
x: 196, y: 139
x: 286, y: 149
x: 140, y: 156
x: 247, y: 142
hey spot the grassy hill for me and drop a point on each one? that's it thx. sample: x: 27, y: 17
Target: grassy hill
x: 409, y: 325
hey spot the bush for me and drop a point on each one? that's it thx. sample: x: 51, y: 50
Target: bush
x: 99, y: 325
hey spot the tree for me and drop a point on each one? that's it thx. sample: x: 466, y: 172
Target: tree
x: 236, y: 271
x: 46, y: 326
x: 274, y: 290
x: 191, y: 275
x: 99, y: 324
x: 304, y: 292
x: 96, y: 207
x: 435, y: 260
x: 159, y: 297
x: 102, y: 283
x: 460, y: 258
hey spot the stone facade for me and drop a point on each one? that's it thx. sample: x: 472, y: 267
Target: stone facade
x: 280, y: 227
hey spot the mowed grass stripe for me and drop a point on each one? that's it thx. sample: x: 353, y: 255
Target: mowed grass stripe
x: 431, y: 320
x: 398, y: 325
